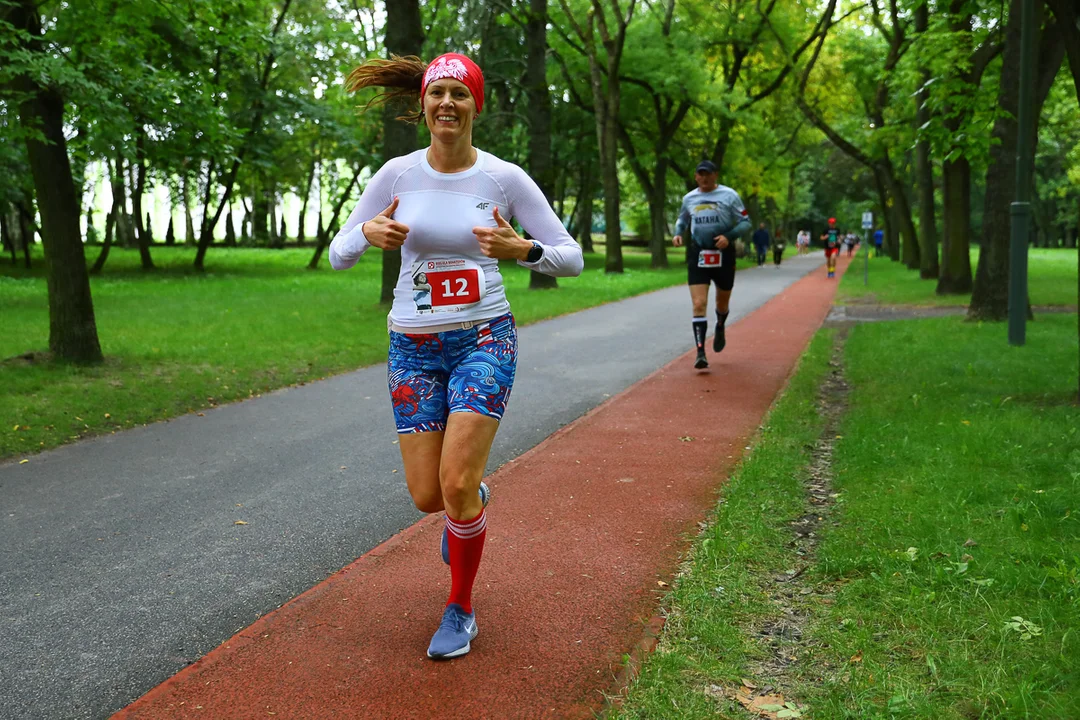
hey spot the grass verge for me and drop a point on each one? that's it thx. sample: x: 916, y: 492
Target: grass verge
x: 708, y: 643
x: 1051, y: 277
x: 946, y: 583
x: 177, y: 341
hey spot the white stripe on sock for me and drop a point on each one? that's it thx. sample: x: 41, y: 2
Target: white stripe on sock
x: 467, y: 529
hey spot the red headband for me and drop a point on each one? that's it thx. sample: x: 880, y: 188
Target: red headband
x: 458, y: 67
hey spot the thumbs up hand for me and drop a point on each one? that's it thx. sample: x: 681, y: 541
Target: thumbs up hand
x: 383, y: 231
x: 501, y: 242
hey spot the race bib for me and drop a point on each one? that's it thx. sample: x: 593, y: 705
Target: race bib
x: 709, y: 259
x: 442, y: 285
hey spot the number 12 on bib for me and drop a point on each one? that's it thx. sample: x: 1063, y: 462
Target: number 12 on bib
x: 447, y: 285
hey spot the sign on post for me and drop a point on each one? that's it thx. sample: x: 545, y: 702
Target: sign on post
x: 867, y: 224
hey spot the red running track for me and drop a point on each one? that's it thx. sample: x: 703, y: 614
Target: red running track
x: 583, y: 527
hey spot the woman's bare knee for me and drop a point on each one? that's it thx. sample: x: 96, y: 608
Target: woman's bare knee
x: 428, y: 500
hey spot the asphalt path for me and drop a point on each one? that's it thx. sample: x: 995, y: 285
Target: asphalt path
x: 121, y: 557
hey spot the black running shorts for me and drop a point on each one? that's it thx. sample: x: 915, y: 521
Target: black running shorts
x: 723, y: 276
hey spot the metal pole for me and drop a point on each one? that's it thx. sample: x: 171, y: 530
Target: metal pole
x: 866, y: 259
x: 1020, y: 211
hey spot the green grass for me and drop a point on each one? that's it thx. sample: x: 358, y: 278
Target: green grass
x: 704, y: 642
x: 1051, y: 278
x: 950, y: 436
x: 177, y: 341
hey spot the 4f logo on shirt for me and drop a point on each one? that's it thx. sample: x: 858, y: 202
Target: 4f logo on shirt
x: 483, y: 205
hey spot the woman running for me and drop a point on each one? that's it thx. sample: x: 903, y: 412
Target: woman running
x: 453, y: 342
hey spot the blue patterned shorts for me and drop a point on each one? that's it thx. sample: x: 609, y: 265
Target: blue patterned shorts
x: 433, y: 375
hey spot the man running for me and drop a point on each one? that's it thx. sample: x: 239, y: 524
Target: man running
x: 778, y: 248
x: 831, y: 239
x: 714, y: 216
x: 761, y: 243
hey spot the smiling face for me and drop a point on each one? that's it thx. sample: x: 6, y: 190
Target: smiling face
x: 449, y: 109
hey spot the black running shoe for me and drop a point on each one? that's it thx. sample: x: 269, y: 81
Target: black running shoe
x: 701, y: 363
x: 718, y: 341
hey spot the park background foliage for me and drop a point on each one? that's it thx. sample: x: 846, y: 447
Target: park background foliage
x: 225, y: 122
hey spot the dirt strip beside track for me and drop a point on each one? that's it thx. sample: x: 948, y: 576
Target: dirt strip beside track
x: 582, y: 530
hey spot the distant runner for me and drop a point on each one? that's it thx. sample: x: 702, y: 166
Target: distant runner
x: 831, y: 239
x: 714, y: 216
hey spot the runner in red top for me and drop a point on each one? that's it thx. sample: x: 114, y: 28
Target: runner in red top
x: 831, y: 238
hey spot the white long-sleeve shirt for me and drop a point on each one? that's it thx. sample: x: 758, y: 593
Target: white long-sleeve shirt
x: 441, y: 256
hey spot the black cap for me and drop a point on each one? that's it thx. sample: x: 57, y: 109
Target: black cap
x: 706, y: 166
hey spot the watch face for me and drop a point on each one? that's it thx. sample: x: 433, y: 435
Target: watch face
x: 535, y: 253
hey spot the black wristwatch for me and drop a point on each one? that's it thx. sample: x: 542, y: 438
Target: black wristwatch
x: 535, y: 252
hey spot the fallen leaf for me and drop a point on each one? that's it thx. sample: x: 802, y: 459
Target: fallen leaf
x: 107, y: 416
x: 965, y: 558
x: 661, y: 583
x: 239, y: 522
x: 686, y: 438
x: 23, y: 462
x: 857, y: 657
x: 749, y: 684
x: 970, y: 543
x: 966, y: 422
x: 768, y: 706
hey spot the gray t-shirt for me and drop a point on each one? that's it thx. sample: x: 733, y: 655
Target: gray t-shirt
x: 708, y: 214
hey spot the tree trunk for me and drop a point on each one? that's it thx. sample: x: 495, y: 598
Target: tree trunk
x: 886, y: 212
x: 583, y: 208
x: 324, y: 236
x: 538, y: 98
x: 260, y: 216
x: 142, y: 235
x: 990, y: 294
x: 301, y: 235
x: 606, y: 116
x: 658, y: 217
x: 955, y: 276
x: 929, y: 268
x: 110, y: 229
x: 230, y: 230
x: 5, y: 239
x: 125, y: 236
x: 723, y: 139
x: 72, y: 327
x: 404, y: 36
x: 91, y: 231
x: 189, y: 226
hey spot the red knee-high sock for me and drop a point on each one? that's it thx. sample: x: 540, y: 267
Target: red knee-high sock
x: 466, y: 541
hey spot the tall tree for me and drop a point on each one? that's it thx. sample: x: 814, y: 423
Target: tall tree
x: 404, y: 36
x: 254, y: 126
x: 72, y: 326
x: 967, y: 59
x: 990, y: 295
x: 606, y: 99
x: 670, y: 107
x: 929, y: 268
x: 894, y: 201
x: 538, y: 97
